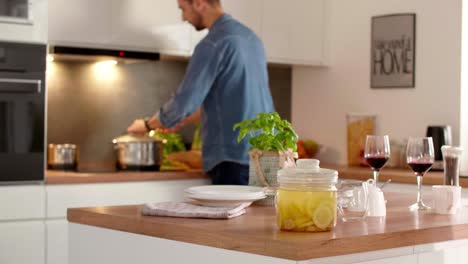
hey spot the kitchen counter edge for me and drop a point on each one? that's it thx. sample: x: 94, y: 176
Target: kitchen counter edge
x: 63, y: 177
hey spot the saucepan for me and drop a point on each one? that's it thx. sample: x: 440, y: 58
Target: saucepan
x: 62, y: 156
x: 138, y: 152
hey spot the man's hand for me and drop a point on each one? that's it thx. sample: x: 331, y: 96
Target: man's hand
x: 137, y: 127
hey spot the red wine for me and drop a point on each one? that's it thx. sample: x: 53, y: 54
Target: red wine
x: 420, y: 168
x: 376, y: 162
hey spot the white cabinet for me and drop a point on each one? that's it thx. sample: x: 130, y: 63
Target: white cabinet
x: 196, y: 37
x: 80, y: 22
x: 22, y: 230
x: 57, y: 241
x: 22, y: 242
x: 455, y: 254
x: 144, y: 25
x: 22, y: 202
x: 248, y: 12
x: 411, y: 259
x: 61, y: 197
x: 33, y: 31
x: 154, y: 25
x: 295, y: 33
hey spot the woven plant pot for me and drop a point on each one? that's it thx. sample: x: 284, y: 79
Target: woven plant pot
x: 269, y: 162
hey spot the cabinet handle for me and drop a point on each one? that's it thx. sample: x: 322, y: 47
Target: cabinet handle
x: 20, y: 86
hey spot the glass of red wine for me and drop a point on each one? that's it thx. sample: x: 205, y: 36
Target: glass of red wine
x: 376, y: 153
x: 420, y: 157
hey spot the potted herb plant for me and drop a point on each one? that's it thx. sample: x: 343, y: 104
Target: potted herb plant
x: 273, y: 145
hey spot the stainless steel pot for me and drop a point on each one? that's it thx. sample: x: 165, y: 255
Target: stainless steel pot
x: 62, y: 156
x: 139, y: 153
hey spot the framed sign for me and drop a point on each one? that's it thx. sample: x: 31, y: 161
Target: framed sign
x: 393, y: 51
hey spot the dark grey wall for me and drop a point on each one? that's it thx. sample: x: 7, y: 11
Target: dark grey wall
x: 89, y: 106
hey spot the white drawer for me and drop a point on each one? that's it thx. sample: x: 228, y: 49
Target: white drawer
x: 22, y: 242
x: 22, y: 202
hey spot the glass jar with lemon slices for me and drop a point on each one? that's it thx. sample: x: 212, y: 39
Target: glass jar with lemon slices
x: 306, y: 197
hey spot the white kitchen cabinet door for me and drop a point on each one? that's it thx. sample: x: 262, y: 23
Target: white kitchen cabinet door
x: 22, y: 242
x: 61, y: 197
x: 57, y: 241
x: 248, y: 12
x: 22, y: 202
x: 80, y: 22
x: 90, y: 244
x: 410, y: 259
x: 153, y: 25
x: 196, y: 37
x: 33, y: 32
x: 295, y: 32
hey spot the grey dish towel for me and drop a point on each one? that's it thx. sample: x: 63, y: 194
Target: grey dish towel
x: 181, y: 209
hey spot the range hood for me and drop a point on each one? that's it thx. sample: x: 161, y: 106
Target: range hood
x: 96, y: 54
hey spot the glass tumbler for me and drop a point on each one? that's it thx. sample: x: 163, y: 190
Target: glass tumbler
x: 353, y: 199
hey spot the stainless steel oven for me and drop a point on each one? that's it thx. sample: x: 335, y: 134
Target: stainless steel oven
x: 22, y: 112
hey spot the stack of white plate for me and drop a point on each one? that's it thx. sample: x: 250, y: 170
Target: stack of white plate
x: 224, y: 195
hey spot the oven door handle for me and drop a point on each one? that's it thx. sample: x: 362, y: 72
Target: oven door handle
x: 20, y: 86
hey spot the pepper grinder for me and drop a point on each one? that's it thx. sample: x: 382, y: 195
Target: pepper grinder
x: 441, y: 135
x: 451, y: 157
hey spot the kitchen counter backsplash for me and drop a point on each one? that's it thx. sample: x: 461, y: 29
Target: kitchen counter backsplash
x: 89, y: 104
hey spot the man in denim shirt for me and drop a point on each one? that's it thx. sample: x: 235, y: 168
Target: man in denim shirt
x: 226, y: 82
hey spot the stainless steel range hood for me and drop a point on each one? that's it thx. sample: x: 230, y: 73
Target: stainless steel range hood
x: 96, y: 54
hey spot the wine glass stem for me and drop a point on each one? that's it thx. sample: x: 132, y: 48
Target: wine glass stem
x: 376, y: 176
x: 419, y: 179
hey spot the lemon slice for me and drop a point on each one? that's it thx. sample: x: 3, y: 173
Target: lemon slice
x: 323, y: 216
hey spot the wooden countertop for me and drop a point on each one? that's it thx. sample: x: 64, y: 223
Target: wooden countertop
x: 256, y: 232
x: 345, y: 172
x: 62, y: 177
x: 396, y: 175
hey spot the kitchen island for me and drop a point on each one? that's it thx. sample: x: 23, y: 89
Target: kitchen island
x: 120, y: 234
x: 70, y: 177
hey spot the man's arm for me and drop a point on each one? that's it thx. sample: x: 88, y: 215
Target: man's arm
x: 140, y: 127
x: 198, y: 80
x: 191, y: 119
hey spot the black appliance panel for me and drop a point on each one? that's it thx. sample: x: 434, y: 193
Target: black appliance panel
x: 22, y: 112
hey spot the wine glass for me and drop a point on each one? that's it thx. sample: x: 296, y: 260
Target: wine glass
x: 420, y: 157
x: 376, y: 153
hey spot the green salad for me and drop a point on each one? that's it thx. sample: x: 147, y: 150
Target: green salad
x: 174, y: 143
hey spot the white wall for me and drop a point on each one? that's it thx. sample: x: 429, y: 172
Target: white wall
x: 322, y: 96
x: 464, y: 92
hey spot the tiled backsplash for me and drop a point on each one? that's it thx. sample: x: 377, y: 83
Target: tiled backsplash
x: 90, y: 104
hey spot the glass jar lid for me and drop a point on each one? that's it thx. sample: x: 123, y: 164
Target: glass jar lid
x: 307, y: 171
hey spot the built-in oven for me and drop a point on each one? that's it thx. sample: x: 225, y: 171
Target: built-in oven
x: 22, y: 112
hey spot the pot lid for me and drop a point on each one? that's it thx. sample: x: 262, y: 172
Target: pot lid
x: 128, y: 138
x: 307, y: 171
x: 62, y: 146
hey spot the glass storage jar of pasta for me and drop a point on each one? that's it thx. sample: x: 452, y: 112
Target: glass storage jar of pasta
x: 306, y: 197
x: 358, y: 127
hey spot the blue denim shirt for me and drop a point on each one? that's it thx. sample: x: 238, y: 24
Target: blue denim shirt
x: 227, y: 76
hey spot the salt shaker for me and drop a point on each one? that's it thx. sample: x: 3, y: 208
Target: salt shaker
x: 451, y: 156
x: 377, y: 205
